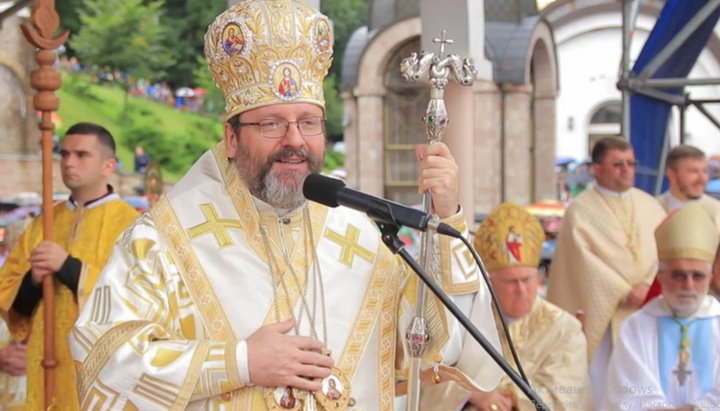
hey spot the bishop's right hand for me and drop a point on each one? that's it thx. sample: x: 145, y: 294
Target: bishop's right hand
x: 276, y: 359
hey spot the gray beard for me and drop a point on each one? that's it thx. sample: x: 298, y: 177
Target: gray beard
x: 280, y: 195
x: 270, y: 187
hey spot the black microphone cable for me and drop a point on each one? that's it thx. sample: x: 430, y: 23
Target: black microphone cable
x: 496, y: 304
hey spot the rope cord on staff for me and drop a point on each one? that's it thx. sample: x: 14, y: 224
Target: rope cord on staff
x: 45, y: 79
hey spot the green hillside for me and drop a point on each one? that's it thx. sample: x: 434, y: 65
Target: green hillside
x: 172, y: 137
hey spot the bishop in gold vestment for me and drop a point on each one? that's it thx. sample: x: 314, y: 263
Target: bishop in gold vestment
x: 192, y: 279
x: 549, y: 342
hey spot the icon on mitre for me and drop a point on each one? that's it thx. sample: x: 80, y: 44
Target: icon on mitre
x: 513, y: 243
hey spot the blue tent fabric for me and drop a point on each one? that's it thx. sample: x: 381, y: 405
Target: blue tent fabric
x: 713, y: 186
x: 649, y: 116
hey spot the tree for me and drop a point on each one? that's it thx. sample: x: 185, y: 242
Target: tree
x: 124, y: 36
x: 347, y: 16
x: 214, y: 100
x: 333, y: 108
x: 69, y: 19
x: 186, y: 22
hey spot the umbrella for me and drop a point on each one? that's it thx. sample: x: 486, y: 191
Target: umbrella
x: 200, y: 92
x: 547, y: 208
x: 581, y: 178
x: 184, y: 92
x: 562, y: 161
x: 137, y: 202
x: 55, y: 117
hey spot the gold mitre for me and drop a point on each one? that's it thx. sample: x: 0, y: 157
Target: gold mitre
x: 509, y: 236
x: 688, y: 233
x: 263, y: 52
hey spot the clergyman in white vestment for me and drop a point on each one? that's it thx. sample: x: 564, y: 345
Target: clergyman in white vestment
x: 666, y: 356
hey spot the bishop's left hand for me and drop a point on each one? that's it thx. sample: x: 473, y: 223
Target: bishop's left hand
x: 439, y: 174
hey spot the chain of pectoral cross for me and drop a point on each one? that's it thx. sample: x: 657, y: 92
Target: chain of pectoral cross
x: 682, y: 372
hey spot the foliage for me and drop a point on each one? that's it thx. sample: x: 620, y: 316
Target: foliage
x: 214, y: 100
x: 69, y: 18
x: 123, y: 35
x: 172, y: 137
x: 80, y: 86
x: 333, y: 109
x: 173, y: 151
x: 186, y: 22
x: 333, y: 160
x: 347, y: 16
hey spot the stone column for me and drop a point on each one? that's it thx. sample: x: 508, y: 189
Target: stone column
x: 517, y: 155
x: 487, y: 143
x: 544, y: 148
x: 351, y: 138
x: 369, y: 142
x: 464, y: 21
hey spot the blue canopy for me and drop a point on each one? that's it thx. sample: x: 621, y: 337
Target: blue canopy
x: 713, y: 186
x: 649, y: 116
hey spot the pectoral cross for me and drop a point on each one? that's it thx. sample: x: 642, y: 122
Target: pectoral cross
x: 684, y: 357
x: 682, y: 373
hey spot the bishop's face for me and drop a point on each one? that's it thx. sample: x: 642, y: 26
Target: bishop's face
x: 516, y: 288
x: 685, y: 283
x: 275, y: 168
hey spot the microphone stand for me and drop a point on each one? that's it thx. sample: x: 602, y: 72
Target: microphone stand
x: 396, y: 246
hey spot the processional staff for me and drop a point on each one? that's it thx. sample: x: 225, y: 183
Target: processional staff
x: 438, y: 67
x: 46, y: 80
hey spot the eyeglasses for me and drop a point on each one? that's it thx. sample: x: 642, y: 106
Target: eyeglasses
x: 277, y: 128
x: 682, y: 276
x: 629, y: 163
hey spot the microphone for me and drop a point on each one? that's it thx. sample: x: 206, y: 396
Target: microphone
x: 332, y: 193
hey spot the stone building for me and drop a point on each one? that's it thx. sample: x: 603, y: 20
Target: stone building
x: 19, y: 135
x: 502, y: 129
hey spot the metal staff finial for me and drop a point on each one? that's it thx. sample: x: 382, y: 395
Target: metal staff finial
x: 443, y: 40
x: 438, y: 67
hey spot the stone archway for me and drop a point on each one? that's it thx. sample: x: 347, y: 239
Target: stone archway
x: 604, y: 121
x: 544, y: 78
x: 366, y: 108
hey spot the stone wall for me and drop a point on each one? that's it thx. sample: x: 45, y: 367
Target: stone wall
x: 17, y: 117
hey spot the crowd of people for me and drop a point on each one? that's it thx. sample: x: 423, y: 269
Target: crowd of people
x: 234, y: 292
x: 181, y: 98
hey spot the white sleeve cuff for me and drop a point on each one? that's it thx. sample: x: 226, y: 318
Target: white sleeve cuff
x: 242, y: 362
